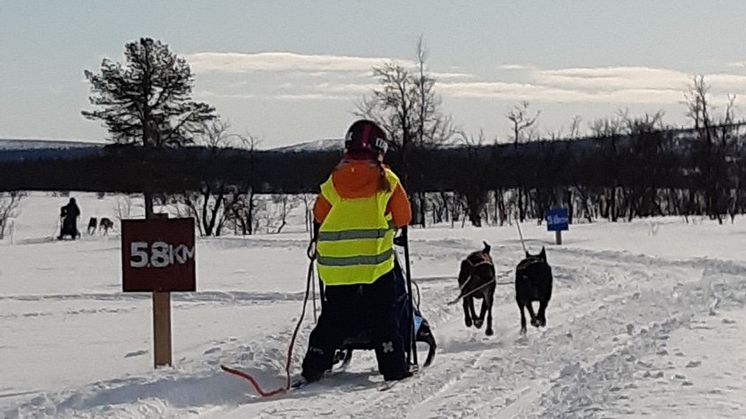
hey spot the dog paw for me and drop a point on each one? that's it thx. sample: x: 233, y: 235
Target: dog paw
x: 523, y: 330
x: 478, y: 324
x: 489, y: 332
x: 468, y: 322
x: 535, y: 322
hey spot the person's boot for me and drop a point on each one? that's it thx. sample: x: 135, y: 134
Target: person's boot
x: 311, y: 375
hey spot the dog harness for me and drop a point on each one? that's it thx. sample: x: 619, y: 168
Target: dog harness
x: 485, y: 260
x: 531, y: 260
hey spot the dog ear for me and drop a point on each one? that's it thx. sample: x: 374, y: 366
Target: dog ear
x: 543, y: 253
x: 528, y: 255
x: 486, y: 247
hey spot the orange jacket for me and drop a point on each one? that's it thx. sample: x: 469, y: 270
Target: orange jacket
x: 359, y: 179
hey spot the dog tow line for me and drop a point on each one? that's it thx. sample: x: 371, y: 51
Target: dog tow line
x: 460, y: 296
x: 287, y: 387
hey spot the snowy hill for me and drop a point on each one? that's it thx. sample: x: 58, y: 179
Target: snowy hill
x: 647, y: 319
x: 329, y: 144
x: 31, y: 144
x: 21, y: 150
x: 14, y: 144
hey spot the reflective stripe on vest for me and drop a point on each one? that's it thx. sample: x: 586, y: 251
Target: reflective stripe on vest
x: 331, y: 236
x: 356, y: 239
x: 356, y: 260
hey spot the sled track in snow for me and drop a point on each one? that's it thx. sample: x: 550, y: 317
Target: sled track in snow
x: 609, y: 310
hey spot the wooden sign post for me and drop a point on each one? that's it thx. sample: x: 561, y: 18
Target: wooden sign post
x: 558, y: 221
x: 162, y: 328
x: 158, y: 257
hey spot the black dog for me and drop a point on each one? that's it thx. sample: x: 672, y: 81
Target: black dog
x: 92, y: 225
x: 105, y: 225
x: 533, y: 282
x: 476, y: 279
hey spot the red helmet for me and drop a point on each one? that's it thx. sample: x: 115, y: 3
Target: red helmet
x: 365, y: 138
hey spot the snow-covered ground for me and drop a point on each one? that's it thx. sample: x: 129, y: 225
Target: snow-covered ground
x: 647, y: 320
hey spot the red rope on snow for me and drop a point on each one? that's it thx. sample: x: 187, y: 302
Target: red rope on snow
x: 253, y: 382
x: 288, y: 361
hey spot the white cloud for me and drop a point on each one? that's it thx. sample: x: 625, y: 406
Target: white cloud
x: 451, y: 76
x: 290, y: 76
x: 299, y: 64
x: 356, y: 89
x: 514, y: 67
x: 614, y: 78
x: 615, y: 85
x: 553, y: 94
x: 739, y: 64
x: 309, y: 96
x: 231, y: 62
x: 278, y: 96
x: 727, y: 83
x: 210, y: 94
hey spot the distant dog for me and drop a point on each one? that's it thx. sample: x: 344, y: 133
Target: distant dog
x: 533, y: 282
x: 105, y: 225
x: 476, y: 279
x: 92, y: 225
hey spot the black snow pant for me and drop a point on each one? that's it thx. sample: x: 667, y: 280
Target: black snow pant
x: 69, y: 228
x: 348, y: 310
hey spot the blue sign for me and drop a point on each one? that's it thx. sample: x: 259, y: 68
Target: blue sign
x: 558, y: 219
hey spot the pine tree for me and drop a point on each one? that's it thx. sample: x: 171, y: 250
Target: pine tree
x: 147, y: 99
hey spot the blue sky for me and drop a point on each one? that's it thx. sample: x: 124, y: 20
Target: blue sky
x: 292, y: 71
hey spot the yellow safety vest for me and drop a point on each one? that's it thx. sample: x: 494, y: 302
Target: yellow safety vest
x: 356, y: 240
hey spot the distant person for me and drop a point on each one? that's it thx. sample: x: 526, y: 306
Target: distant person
x: 69, y: 215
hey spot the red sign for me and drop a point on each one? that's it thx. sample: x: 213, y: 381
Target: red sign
x: 158, y: 255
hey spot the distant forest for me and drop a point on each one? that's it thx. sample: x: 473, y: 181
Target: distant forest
x: 646, y: 173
